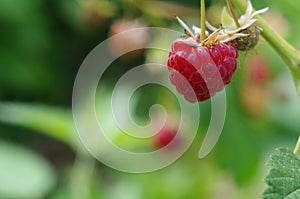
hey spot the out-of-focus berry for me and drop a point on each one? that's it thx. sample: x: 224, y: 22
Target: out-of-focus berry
x: 136, y: 39
x: 164, y: 137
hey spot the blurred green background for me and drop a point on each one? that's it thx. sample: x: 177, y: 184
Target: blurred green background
x: 42, y: 45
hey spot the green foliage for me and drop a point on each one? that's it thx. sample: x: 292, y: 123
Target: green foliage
x: 284, y: 176
x: 24, y: 174
x: 54, y: 122
x: 289, y: 106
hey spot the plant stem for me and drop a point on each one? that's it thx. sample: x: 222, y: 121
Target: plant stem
x: 236, y: 21
x: 297, y: 148
x: 202, y: 5
x: 288, y: 53
x: 81, y: 176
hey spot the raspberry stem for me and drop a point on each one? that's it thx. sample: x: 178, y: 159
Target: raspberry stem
x: 202, y: 7
x: 236, y: 21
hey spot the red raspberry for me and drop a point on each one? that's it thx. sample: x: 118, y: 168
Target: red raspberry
x: 257, y: 70
x: 198, y: 72
x: 164, y: 137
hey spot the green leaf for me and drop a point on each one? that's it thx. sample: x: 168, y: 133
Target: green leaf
x: 284, y: 176
x: 24, y: 174
x: 52, y: 121
x: 289, y: 104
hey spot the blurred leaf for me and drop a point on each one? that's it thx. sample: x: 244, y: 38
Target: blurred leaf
x: 132, y: 190
x: 190, y: 2
x: 289, y: 118
x: 69, y: 11
x: 52, y: 121
x: 24, y: 174
x: 284, y: 99
x: 14, y: 10
x: 61, y: 193
x: 239, y: 147
x: 284, y: 176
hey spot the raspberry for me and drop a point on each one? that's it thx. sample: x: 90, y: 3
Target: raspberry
x: 199, y: 72
x: 257, y: 70
x: 164, y: 137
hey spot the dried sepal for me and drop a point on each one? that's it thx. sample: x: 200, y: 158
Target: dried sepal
x: 250, y: 13
x: 227, y: 38
x: 187, y: 30
x: 246, y: 36
x: 210, y: 27
x: 189, y: 41
x: 245, y: 21
x: 212, y: 39
x: 193, y: 39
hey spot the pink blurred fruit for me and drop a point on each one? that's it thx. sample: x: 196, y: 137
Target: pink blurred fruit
x: 164, y: 137
x: 136, y: 40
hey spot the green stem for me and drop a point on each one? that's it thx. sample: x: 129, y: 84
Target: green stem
x: 297, y: 148
x: 82, y: 176
x: 202, y: 5
x: 287, y: 52
x: 236, y: 21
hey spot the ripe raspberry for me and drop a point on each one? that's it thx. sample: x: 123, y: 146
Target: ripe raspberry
x: 164, y: 137
x: 198, y: 72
